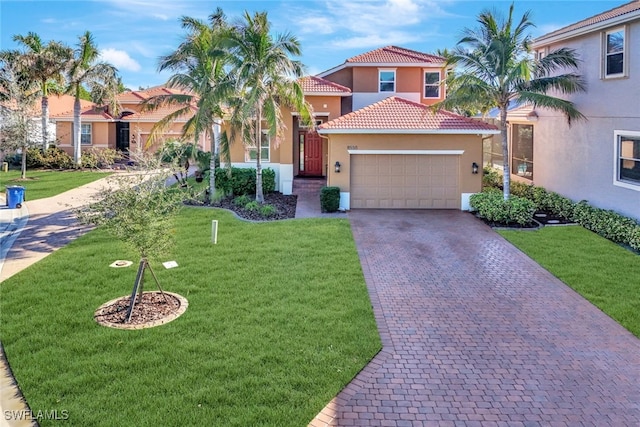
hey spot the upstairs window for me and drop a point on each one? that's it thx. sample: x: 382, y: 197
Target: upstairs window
x: 85, y: 134
x: 431, y: 84
x: 614, y: 53
x: 387, y: 80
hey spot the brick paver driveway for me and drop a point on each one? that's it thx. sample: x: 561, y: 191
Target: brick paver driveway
x: 476, y: 333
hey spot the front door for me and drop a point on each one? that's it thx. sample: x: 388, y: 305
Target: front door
x: 310, y: 144
x: 122, y: 132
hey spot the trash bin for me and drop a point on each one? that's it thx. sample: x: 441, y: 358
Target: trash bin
x: 15, y: 196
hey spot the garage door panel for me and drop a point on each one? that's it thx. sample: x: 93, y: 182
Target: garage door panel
x: 405, y: 181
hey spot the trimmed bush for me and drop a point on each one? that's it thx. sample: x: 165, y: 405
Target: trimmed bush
x: 53, y: 158
x: 243, y: 180
x: 268, y: 210
x: 252, y: 206
x: 329, y: 199
x: 491, y: 206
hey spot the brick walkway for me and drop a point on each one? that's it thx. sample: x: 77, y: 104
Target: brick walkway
x: 476, y: 333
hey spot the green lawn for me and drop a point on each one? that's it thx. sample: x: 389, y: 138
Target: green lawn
x: 604, y: 273
x: 44, y: 183
x: 279, y: 321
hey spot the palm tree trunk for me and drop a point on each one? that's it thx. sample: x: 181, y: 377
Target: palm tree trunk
x: 506, y: 173
x: 77, y: 133
x: 259, y: 193
x: 45, y: 123
x: 212, y: 163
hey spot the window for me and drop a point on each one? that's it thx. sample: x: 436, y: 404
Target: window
x: 541, y: 53
x: 627, y: 159
x: 387, y: 80
x: 614, y: 53
x: 252, y: 153
x: 522, y: 150
x: 432, y: 84
x: 85, y: 137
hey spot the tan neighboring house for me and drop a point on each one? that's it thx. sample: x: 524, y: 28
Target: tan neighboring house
x: 377, y: 139
x: 128, y: 131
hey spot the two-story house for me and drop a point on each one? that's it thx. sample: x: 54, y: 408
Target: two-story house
x: 129, y: 130
x: 597, y: 159
x: 376, y: 137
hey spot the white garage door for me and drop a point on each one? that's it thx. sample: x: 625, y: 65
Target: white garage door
x: 405, y: 181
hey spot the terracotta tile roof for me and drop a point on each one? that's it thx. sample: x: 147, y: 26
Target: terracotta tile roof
x: 399, y: 115
x: 313, y: 84
x: 616, y: 12
x: 137, y: 96
x: 154, y: 116
x: 395, y: 55
x: 89, y: 114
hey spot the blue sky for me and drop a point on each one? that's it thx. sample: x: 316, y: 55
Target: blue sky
x: 133, y: 34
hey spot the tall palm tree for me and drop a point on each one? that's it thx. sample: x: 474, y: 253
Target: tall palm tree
x: 266, y: 77
x: 85, y: 69
x: 497, y: 67
x: 46, y: 64
x: 199, y: 65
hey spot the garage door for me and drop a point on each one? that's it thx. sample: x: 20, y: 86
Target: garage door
x: 405, y: 181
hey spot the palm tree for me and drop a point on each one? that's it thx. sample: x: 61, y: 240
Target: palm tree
x: 266, y: 77
x: 199, y: 65
x: 497, y: 67
x: 100, y: 78
x: 45, y: 63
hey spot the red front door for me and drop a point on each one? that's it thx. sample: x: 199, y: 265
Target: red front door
x: 310, y: 144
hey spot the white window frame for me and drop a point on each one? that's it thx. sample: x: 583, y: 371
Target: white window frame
x: 437, y: 84
x: 265, y: 139
x: 625, y: 53
x: 541, y: 53
x: 380, y: 81
x: 617, y: 135
x: 84, y: 134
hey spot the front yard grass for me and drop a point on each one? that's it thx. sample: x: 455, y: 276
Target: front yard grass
x: 279, y: 321
x: 45, y: 183
x: 603, y: 272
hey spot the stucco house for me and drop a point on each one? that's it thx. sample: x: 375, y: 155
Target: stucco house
x: 129, y: 130
x: 597, y: 160
x: 377, y: 139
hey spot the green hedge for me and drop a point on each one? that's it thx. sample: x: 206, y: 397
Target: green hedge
x: 243, y: 180
x: 492, y: 206
x: 329, y: 199
x: 607, y: 223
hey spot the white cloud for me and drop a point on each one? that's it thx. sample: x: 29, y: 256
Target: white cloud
x: 375, y: 40
x: 120, y: 59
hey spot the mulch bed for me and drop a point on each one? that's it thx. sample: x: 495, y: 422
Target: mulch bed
x: 542, y: 218
x: 150, y: 308
x: 548, y: 218
x: 285, y: 207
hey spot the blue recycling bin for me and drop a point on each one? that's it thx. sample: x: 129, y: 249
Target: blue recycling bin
x: 15, y: 196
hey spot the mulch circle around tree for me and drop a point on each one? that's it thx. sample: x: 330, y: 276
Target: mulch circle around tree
x: 150, y: 310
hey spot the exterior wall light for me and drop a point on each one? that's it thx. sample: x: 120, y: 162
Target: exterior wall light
x: 474, y: 168
x: 337, y: 165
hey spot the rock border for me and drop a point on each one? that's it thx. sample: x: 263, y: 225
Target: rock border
x: 172, y: 316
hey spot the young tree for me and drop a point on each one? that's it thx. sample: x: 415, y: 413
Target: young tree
x: 84, y: 68
x: 266, y: 77
x: 18, y: 96
x: 497, y: 68
x: 199, y: 66
x: 45, y: 64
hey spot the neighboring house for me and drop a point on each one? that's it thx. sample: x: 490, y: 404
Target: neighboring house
x: 128, y: 131
x: 376, y: 137
x: 597, y: 160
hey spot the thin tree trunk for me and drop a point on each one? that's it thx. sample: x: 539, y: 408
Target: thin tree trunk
x: 212, y: 163
x: 259, y: 193
x: 77, y: 133
x: 45, y: 123
x: 506, y: 172
x: 25, y: 142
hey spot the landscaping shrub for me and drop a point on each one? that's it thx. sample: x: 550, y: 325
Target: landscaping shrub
x: 491, y: 206
x: 607, y: 223
x: 329, y: 199
x: 241, y: 200
x: 252, y: 206
x: 53, y: 158
x: 491, y: 178
x: 243, y: 180
x: 268, y: 210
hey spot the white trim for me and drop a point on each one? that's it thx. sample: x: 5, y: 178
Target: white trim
x: 285, y: 179
x: 395, y: 79
x: 616, y: 181
x: 318, y: 113
x: 438, y: 84
x: 380, y: 64
x: 430, y: 152
x: 345, y: 200
x: 465, y: 205
x: 618, y: 20
x: 625, y: 57
x: 412, y: 131
x: 327, y: 93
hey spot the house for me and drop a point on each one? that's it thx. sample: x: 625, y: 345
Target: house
x: 129, y: 130
x: 376, y: 137
x: 597, y: 160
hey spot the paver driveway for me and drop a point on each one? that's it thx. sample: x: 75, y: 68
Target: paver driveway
x: 476, y: 333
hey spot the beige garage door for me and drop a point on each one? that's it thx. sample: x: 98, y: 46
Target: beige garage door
x: 405, y: 181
